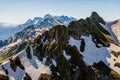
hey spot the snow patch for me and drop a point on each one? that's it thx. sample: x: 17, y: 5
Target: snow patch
x: 54, y: 62
x: 74, y: 42
x: 32, y: 66
x: 66, y: 56
x: 92, y: 54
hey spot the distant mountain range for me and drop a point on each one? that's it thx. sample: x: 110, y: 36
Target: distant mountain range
x: 7, y: 30
x: 62, y: 48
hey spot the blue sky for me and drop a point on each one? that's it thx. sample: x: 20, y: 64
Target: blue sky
x: 18, y: 11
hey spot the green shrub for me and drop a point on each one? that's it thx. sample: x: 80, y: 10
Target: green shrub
x: 116, y: 54
x: 117, y: 64
x: 114, y: 75
x: 45, y: 77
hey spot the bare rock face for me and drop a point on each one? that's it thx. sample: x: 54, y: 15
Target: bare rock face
x: 96, y: 18
x: 59, y: 33
x: 75, y: 29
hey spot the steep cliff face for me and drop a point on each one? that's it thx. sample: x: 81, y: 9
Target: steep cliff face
x: 79, y: 51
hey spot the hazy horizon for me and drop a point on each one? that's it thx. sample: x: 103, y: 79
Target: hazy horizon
x: 17, y: 12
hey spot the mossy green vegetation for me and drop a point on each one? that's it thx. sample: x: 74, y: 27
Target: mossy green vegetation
x: 117, y: 64
x: 97, y: 34
x: 116, y: 54
x: 45, y: 77
x: 114, y: 75
x: 104, y: 71
x: 13, y: 50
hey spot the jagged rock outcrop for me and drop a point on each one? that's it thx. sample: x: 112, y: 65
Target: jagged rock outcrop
x: 97, y: 19
x: 77, y: 29
x: 56, y: 45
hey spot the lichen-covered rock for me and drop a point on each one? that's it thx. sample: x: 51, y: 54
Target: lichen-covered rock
x: 59, y: 33
x: 76, y: 29
x: 99, y: 37
x: 37, y: 50
x: 97, y: 20
x: 37, y: 39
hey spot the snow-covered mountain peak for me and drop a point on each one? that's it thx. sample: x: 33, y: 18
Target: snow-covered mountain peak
x: 28, y: 21
x: 47, y: 21
x: 48, y: 16
x: 37, y: 19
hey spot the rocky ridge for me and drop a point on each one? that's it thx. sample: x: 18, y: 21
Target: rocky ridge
x: 68, y: 53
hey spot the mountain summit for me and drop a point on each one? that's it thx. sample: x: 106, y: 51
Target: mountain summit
x: 48, y: 16
x: 94, y: 16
